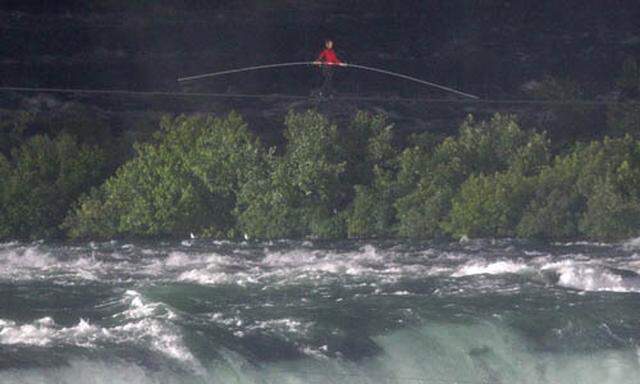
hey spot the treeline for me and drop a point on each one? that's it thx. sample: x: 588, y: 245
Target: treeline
x: 51, y: 153
x: 211, y: 176
x: 71, y: 171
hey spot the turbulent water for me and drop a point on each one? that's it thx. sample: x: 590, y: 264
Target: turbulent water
x: 302, y: 312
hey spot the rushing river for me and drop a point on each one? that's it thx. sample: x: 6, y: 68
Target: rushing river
x: 307, y: 312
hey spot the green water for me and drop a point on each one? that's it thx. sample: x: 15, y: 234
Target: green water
x: 304, y: 312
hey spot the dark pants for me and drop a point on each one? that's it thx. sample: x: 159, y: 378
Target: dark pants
x: 327, y: 85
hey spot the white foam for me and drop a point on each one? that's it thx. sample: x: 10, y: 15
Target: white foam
x: 204, y: 277
x: 583, y: 243
x: 489, y: 268
x: 288, y: 328
x: 33, y: 263
x: 586, y: 277
x: 142, y: 308
x: 632, y: 244
x: 304, y: 264
x: 25, y: 257
x: 145, y: 323
x: 182, y: 259
x: 157, y: 335
x: 319, y: 353
x: 44, y: 331
x: 305, y: 257
x: 282, y: 326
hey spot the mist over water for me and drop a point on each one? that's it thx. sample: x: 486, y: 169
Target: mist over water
x: 307, y: 312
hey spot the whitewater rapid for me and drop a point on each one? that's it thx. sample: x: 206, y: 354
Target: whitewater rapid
x: 300, y: 312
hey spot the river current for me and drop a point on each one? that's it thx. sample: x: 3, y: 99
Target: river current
x: 315, y: 312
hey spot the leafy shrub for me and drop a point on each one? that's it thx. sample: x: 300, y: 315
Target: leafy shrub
x: 619, y: 157
x: 571, y: 198
x: 372, y: 213
x: 5, y: 176
x: 185, y: 181
x: 493, y: 146
x: 365, y: 142
x: 609, y: 215
x: 93, y: 216
x: 41, y: 182
x: 269, y: 203
x: 301, y: 192
x: 610, y: 180
x: 13, y: 127
x: 421, y: 212
x: 489, y: 206
x: 554, y: 209
x: 431, y: 182
x: 210, y: 176
x: 371, y: 174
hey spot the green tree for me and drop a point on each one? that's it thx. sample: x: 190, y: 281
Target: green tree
x: 269, y: 202
x: 421, y: 212
x: 609, y: 215
x: 493, y: 146
x: 372, y: 213
x: 302, y: 192
x: 184, y: 181
x: 610, y: 181
x: 489, y: 206
x: 556, y: 204
x: 13, y: 129
x: 585, y: 192
x: 42, y: 181
x: 617, y: 159
x: 5, y: 177
x: 430, y: 182
x: 371, y: 175
x: 366, y: 142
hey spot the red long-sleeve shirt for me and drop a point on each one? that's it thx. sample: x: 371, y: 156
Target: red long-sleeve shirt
x: 328, y: 56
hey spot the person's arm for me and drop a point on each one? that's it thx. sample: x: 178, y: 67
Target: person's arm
x: 320, y: 58
x: 339, y: 62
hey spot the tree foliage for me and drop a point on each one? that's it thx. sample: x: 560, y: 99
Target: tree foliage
x: 300, y: 192
x: 211, y: 176
x: 185, y: 181
x: 41, y: 181
x: 431, y: 182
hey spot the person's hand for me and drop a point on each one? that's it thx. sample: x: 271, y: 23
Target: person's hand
x: 317, y: 63
x: 343, y: 64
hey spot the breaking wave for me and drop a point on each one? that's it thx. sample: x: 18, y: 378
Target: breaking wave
x: 291, y: 312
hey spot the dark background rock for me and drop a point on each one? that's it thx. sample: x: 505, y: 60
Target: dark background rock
x: 488, y: 48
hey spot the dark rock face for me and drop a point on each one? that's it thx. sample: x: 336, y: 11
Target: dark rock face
x: 489, y: 48
x: 486, y: 47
